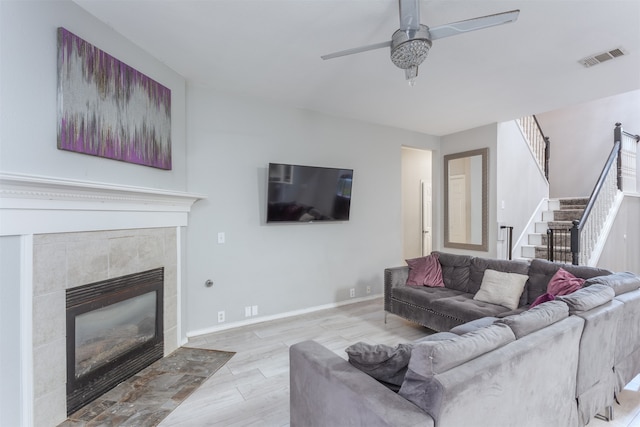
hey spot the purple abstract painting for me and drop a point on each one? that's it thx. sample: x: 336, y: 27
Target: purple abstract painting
x: 108, y: 109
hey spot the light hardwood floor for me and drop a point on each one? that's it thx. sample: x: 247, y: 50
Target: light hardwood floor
x: 252, y: 389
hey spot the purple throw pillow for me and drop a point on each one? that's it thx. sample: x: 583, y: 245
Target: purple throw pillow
x: 562, y: 283
x: 425, y: 271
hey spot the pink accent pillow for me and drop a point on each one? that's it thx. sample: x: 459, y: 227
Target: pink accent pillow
x: 562, y: 283
x: 425, y: 271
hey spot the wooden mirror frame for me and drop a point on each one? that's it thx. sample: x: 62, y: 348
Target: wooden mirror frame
x: 483, y: 245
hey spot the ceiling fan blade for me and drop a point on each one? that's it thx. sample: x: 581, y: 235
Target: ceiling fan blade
x: 409, y: 14
x: 356, y: 50
x: 479, y: 23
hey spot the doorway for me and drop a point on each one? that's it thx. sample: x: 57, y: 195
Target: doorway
x: 417, y: 206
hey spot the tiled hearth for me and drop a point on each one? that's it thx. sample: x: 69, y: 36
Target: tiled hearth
x: 71, y: 233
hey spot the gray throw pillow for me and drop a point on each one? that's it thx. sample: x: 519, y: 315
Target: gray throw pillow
x: 382, y: 362
x: 538, y: 317
x: 587, y: 298
x: 620, y: 282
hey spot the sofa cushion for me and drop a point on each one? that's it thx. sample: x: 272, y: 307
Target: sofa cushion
x: 421, y: 296
x: 501, y: 288
x: 455, y: 270
x: 473, y: 325
x: 463, y: 308
x: 479, y: 265
x: 425, y: 271
x: 620, y: 282
x: 429, y: 358
x: 537, y: 318
x: 432, y: 358
x: 587, y: 298
x: 382, y: 362
x: 541, y: 271
x: 438, y: 336
x: 562, y: 283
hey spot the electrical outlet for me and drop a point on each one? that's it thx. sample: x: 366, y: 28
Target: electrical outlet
x: 254, y: 310
x: 247, y: 311
x: 352, y: 292
x: 220, y: 316
x: 221, y: 237
x: 368, y: 289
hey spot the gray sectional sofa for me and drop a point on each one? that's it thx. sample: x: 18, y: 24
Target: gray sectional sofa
x: 557, y: 364
x: 444, y: 308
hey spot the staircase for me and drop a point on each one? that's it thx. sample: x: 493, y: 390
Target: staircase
x: 559, y: 217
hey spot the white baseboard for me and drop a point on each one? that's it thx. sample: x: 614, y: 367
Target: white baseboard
x: 255, y: 320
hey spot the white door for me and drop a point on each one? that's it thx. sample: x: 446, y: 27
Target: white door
x: 427, y: 239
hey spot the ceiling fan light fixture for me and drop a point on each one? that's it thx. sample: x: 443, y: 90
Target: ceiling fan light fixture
x: 409, y: 49
x: 411, y: 53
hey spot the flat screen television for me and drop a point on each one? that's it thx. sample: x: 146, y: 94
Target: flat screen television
x: 308, y: 193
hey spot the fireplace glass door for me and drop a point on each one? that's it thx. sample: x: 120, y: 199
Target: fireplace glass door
x: 106, y: 333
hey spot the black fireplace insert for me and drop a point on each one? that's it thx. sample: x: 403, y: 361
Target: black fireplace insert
x: 114, y: 330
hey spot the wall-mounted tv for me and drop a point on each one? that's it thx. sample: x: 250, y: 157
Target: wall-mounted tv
x: 308, y: 193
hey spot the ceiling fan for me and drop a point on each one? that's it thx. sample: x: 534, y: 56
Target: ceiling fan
x: 411, y: 43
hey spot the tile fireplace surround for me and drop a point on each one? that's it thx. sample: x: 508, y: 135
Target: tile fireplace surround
x: 74, y: 233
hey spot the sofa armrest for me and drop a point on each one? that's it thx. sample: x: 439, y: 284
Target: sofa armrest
x: 393, y: 277
x: 326, y: 390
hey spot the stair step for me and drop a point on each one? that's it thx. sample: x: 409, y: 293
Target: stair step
x: 557, y: 225
x: 537, y: 239
x: 562, y: 215
x: 573, y: 202
x: 567, y: 214
x: 542, y: 226
x: 540, y: 239
x: 561, y: 254
x: 528, y: 251
x: 553, y: 204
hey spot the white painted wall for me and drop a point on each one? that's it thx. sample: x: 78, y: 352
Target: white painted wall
x: 481, y: 137
x: 622, y: 249
x: 28, y: 79
x: 521, y: 185
x: 416, y: 168
x: 582, y: 138
x: 231, y: 140
x: 285, y: 267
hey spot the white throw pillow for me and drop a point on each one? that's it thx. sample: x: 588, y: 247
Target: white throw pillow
x: 501, y: 288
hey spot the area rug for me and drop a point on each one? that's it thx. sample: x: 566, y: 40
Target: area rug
x: 149, y: 396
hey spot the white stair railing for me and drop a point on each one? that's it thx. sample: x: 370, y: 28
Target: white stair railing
x: 628, y: 160
x: 619, y: 173
x: 538, y: 143
x: 592, y: 223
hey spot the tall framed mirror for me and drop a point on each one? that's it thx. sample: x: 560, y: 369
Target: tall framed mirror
x: 466, y: 177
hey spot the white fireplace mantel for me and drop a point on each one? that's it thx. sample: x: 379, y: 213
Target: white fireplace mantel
x: 31, y: 204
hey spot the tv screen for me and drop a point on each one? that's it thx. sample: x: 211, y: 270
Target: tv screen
x: 308, y: 193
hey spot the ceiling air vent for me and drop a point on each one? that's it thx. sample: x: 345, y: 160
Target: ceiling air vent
x: 599, y: 58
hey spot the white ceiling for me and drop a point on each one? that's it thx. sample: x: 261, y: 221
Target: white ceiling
x: 271, y: 49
